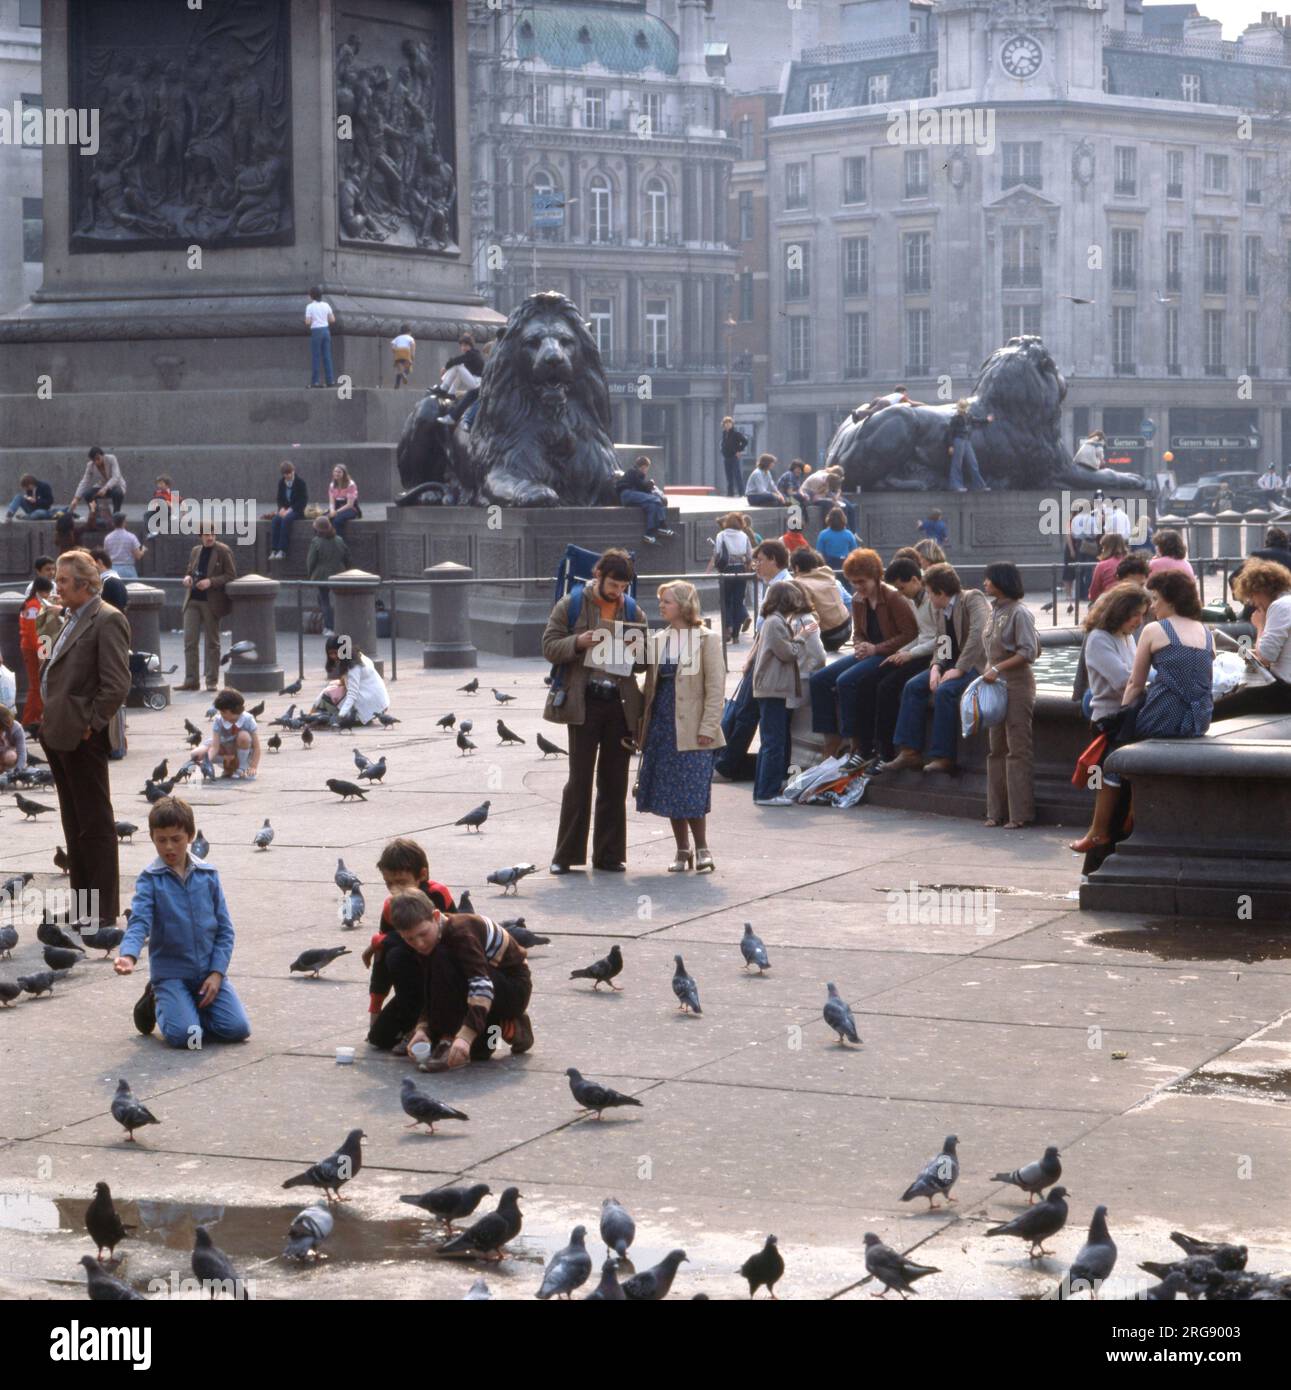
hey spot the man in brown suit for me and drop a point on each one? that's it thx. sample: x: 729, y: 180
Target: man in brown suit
x: 83, y: 683
x: 602, y: 710
x: 210, y: 568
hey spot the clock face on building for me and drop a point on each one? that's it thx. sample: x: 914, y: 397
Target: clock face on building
x: 1021, y: 56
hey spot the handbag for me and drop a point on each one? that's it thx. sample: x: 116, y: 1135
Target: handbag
x: 1090, y: 757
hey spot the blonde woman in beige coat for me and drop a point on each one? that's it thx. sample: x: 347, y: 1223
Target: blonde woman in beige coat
x: 681, y: 727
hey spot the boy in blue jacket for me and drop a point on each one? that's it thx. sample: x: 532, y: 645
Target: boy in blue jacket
x: 180, y: 912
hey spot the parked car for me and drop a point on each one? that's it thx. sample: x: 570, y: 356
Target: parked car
x: 1189, y: 498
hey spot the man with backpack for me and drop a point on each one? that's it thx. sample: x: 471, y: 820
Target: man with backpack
x: 595, y: 641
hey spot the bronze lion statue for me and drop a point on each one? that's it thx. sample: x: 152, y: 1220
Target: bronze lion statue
x: 541, y: 434
x: 1016, y: 409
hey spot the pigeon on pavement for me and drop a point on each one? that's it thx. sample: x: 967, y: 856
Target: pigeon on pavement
x: 1036, y: 1224
x: 256, y: 710
x: 106, y: 939
x: 361, y: 760
x: 568, y: 1269
x: 61, y: 861
x: 506, y: 735
x: 159, y: 772
x: 307, y: 1232
x: 508, y: 879
x: 939, y: 1175
x: 9, y: 991
x: 214, y: 1268
x: 653, y: 1284
x: 125, y: 830
x: 62, y: 957
x: 424, y: 1109
x: 755, y: 953
x: 464, y: 903
x: 51, y: 934
x: 765, y: 1267
x: 307, y: 737
x: 264, y: 836
x: 1164, y: 1292
x: 105, y: 1287
x: 466, y: 726
x: 274, y: 742
x: 892, y: 1270
x: 449, y: 1204
x: 103, y: 1223
x: 346, y: 879
x: 478, y: 1292
x: 345, y: 790
x: 686, y: 990
x: 476, y: 818
x: 1035, y: 1177
x: 318, y: 959
x: 201, y: 846
x: 490, y: 1232
x: 471, y: 686
x: 446, y: 721
x: 838, y: 1015
x: 190, y: 729
x: 464, y: 743
x: 609, y: 1289
x: 501, y: 697
x: 334, y: 1171
x: 352, y: 908
x: 548, y: 747
x: 293, y: 688
x: 1094, y: 1262
x: 592, y: 1096
x: 31, y: 809
x: 374, y: 772
x: 128, y: 1112
x: 11, y: 887
x: 386, y: 719
x: 618, y: 1230
x: 602, y: 971
x: 1225, y: 1257
x: 528, y: 939
x: 42, y: 981
x: 9, y: 939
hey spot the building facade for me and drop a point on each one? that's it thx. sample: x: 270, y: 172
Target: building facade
x: 21, y: 215
x: 601, y: 164
x: 1116, y: 184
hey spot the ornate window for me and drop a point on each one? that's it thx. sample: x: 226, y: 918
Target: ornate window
x: 600, y: 222
x: 655, y: 196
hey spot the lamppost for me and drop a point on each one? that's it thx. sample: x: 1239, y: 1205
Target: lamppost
x: 730, y: 326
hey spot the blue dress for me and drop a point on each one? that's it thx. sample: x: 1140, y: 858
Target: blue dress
x: 1179, y: 702
x: 673, y: 784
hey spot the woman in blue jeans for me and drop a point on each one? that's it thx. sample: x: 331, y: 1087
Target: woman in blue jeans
x: 777, y: 683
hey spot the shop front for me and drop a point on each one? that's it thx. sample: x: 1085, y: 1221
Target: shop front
x: 1214, y: 440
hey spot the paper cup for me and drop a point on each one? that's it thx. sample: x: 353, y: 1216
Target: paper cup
x: 420, y: 1052
x: 344, y: 1056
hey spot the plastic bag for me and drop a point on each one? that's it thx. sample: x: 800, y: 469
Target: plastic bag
x: 803, y: 784
x: 983, y: 705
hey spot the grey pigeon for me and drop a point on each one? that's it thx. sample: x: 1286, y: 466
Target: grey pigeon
x: 11, y: 887
x: 602, y: 971
x: 345, y: 790
x: 51, y: 934
x: 386, y: 719
x: 125, y: 830
x: 686, y: 990
x: 293, y: 688
x: 609, y: 1290
x: 653, y: 1284
x: 755, y: 953
x: 548, y: 747
x: 105, y: 1287
x: 286, y: 720
x: 424, y: 1109
x: 361, y: 760
x: 478, y: 1292
x: 526, y: 938
x: 446, y: 721
x: 42, y: 981
x: 190, y: 728
x: 9, y: 991
x: 346, y: 879
x: 1226, y: 1257
x: 1035, y: 1177
x: 247, y: 649
x: 839, y: 1017
x: 264, y: 836
x: 568, y: 1269
x: 464, y: 903
x: 1094, y: 1262
x: 214, y: 1268
x: 317, y: 959
x: 208, y: 769
x: 509, y: 879
x: 506, y: 735
x: 102, y: 1221
x: 334, y: 1171
x: 1036, y: 1224
x: 31, y: 809
x: 473, y: 820
x: 1164, y: 1292
x: 62, y: 957
x: 593, y: 1096
x: 307, y: 1232
x: 490, y: 1232
x: 374, y: 772
x: 618, y: 1230
x: 106, y: 939
x: 501, y: 697
x: 471, y: 686
x: 353, y: 907
x: 764, y: 1268
x: 9, y: 939
x: 274, y: 742
x: 185, y: 772
x: 201, y: 846
x: 938, y: 1176
x: 256, y: 710
x: 128, y: 1112
x: 307, y: 737
x: 159, y: 772
x: 892, y: 1270
x: 464, y: 743
x: 466, y: 726
x: 449, y: 1204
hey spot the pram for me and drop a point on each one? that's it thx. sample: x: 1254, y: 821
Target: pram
x: 144, y: 664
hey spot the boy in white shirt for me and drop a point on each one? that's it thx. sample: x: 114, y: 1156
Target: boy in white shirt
x: 235, y: 741
x: 404, y: 348
x: 319, y: 319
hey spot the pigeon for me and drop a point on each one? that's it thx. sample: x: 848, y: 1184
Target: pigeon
x: 318, y: 959
x: 125, y: 831
x: 374, y: 772
x: 345, y: 790
x: 213, y: 1267
x: 307, y: 737
x: 471, y: 686
x: 449, y: 1204
x: 128, y: 1112
x: 893, y: 1271
x: 464, y: 743
x: 386, y: 720
x: 31, y: 809
x: 424, y: 1109
x: 1229, y: 1258
x: 1164, y: 1292
x: 101, y: 1220
x: 491, y: 1232
x: 1094, y: 1262
x: 475, y: 818
x: 208, y: 769
x: 41, y: 981
x: 256, y: 710
x: 11, y: 887
x: 602, y: 971
x: 838, y: 1015
x: 466, y: 726
x: 568, y: 1269
x: 293, y: 688
x: 618, y: 1230
x: 191, y: 729
x: 609, y: 1290
x: 591, y: 1095
x: 353, y: 908
x: 195, y: 740
x: 509, y: 879
x: 506, y: 735
x: 154, y: 793
x: 755, y: 953
x: 274, y: 742
x: 264, y: 836
x: 1036, y: 1224
x: 51, y: 934
x: 1200, y: 1277
x: 464, y: 903
x: 63, y: 957
x: 287, y: 719
x: 653, y: 1284
x: 501, y: 696
x: 446, y: 722
x: 106, y: 939
x: 9, y: 939
x: 548, y: 747
x: 307, y: 1232
x: 360, y: 760
x: 334, y: 1171
x: 478, y: 1291
x: 239, y: 649
x: 686, y: 990
x: 346, y: 879
x: 105, y: 1287
x: 526, y: 938
x: 201, y: 846
x: 939, y: 1175
x: 159, y: 772
x: 61, y: 861
x: 9, y: 991
x: 765, y: 1267
x: 1035, y: 1177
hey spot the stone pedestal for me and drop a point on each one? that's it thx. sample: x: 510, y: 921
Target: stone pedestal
x: 252, y: 620
x: 1201, y: 536
x: 10, y: 646
x: 1228, y: 530
x: 354, y: 600
x: 144, y: 614
x: 448, y: 640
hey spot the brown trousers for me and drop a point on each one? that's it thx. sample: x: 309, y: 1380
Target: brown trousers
x: 89, y: 825
x: 596, y: 750
x: 1010, y: 781
x: 200, y: 622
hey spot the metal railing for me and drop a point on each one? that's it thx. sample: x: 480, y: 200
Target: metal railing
x: 1220, y: 49
x: 892, y: 47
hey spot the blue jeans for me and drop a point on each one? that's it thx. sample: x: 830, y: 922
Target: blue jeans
x: 945, y: 714
x: 280, y: 531
x: 739, y: 724
x: 180, y: 1019
x: 343, y: 518
x: 16, y: 508
x: 773, y: 750
x: 964, y: 454
x: 762, y: 499
x: 320, y: 356
x: 734, y: 476
x: 656, y: 512
x: 834, y: 693
x: 325, y: 605
x: 127, y: 572
x: 733, y: 587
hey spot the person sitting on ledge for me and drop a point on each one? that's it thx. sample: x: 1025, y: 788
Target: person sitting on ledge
x: 1266, y: 587
x: 1112, y: 549
x: 760, y: 489
x: 830, y: 602
x: 33, y: 502
x: 1172, y: 554
x: 637, y: 488
x: 790, y: 481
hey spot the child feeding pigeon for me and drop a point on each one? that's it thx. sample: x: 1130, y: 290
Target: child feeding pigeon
x: 235, y: 742
x: 180, y: 912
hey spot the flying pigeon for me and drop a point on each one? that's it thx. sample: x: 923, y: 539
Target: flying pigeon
x: 449, y: 1204
x: 63, y: 958
x: 424, y: 1109
x: 568, y: 1269
x: 593, y: 1096
x: 464, y: 743
x: 106, y: 939
x: 239, y: 649
x: 107, y: 1288
x: 9, y: 939
x: 602, y: 971
x: 159, y: 772
x: 755, y: 953
x: 345, y: 790
x: 475, y: 818
x: 464, y: 903
x: 547, y: 746
x: 653, y: 1284
x: 213, y: 1267
x: 101, y: 1220
x: 9, y: 991
x: 839, y: 1017
x: 374, y: 772
x: 361, y: 760
x: 1229, y: 1258
x: 1035, y: 1177
x: 61, y: 861
x: 893, y: 1271
x: 307, y: 1232
x: 293, y: 688
x: 353, y: 908
x: 346, y: 879
x: 471, y: 686
x: 765, y: 1267
x: 478, y: 1292
x: 274, y: 742
x: 526, y: 938
x: 334, y: 1171
x: 466, y: 726
x: 509, y: 879
x: 31, y: 809
x: 264, y: 836
x: 307, y: 737
x: 501, y: 696
x: 609, y: 1290
x: 446, y: 722
x: 1094, y: 1262
x: 618, y: 1230
x: 201, y: 846
x: 938, y: 1175
x: 128, y: 1112
x: 506, y: 735
x: 1036, y: 1224
x: 317, y: 959
x: 491, y: 1232
x: 124, y: 830
x: 686, y: 990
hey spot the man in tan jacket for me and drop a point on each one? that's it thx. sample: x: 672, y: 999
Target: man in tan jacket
x: 83, y: 683
x: 210, y: 568
x: 602, y: 709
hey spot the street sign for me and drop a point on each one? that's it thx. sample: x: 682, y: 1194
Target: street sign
x: 1213, y: 441
x: 1126, y: 441
x: 1147, y: 428
x: 548, y: 208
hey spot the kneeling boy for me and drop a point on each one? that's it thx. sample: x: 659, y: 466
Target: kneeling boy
x: 235, y: 740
